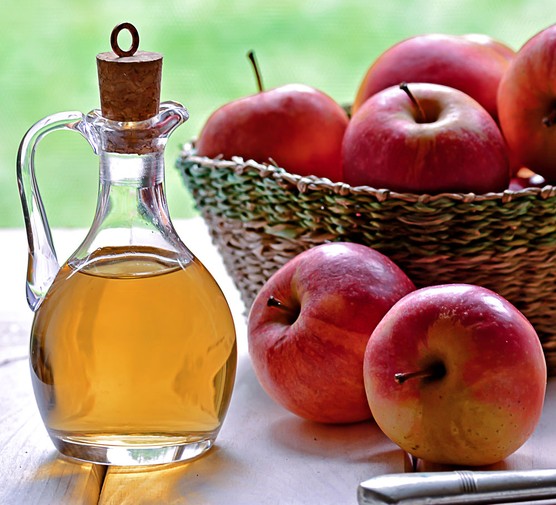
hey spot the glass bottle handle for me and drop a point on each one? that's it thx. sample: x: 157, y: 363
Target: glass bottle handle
x: 42, y: 261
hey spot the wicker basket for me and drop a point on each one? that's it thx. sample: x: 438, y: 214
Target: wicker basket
x: 261, y: 216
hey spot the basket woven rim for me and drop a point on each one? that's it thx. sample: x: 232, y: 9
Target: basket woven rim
x: 307, y: 183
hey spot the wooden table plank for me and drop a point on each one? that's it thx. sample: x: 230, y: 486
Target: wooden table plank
x: 264, y: 455
x: 31, y: 470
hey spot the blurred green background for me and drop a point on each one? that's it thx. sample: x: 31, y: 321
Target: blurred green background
x: 48, y: 50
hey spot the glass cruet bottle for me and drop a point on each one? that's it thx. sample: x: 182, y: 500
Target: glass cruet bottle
x: 133, y: 347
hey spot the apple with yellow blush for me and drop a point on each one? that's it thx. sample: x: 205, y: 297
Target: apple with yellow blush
x: 455, y: 374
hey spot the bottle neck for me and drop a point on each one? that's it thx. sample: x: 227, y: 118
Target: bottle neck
x: 131, y: 170
x: 131, y: 208
x: 131, y: 193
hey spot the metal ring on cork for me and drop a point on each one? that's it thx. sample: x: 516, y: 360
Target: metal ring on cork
x: 134, y: 39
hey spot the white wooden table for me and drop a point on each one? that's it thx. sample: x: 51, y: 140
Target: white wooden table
x: 263, y: 455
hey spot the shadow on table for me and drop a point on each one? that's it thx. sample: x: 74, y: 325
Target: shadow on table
x: 358, y: 442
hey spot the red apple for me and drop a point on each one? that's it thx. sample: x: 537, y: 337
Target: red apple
x: 488, y: 42
x: 433, y: 139
x: 294, y: 126
x: 455, y: 374
x: 309, y: 325
x: 527, y: 105
x: 460, y: 62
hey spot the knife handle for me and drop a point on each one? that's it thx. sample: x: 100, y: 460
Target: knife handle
x: 458, y: 487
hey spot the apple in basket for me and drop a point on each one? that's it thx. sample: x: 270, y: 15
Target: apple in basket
x: 295, y: 126
x: 471, y: 63
x: 488, y: 42
x: 425, y: 138
x: 455, y: 374
x: 309, y: 326
x: 527, y: 105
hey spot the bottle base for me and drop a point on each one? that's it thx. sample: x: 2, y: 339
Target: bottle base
x: 132, y: 450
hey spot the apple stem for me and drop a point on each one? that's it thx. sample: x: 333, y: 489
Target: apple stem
x: 252, y: 59
x: 550, y: 119
x: 422, y: 116
x: 434, y: 371
x: 274, y: 302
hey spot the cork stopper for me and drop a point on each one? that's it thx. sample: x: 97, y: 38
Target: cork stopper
x: 129, y: 80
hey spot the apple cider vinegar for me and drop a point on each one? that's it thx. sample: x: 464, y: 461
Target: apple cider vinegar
x: 133, y: 346
x: 133, y: 349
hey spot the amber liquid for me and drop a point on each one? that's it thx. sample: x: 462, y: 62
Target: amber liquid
x: 134, y: 349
